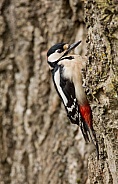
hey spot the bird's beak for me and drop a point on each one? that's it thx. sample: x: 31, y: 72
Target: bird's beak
x: 71, y: 47
x: 68, y: 48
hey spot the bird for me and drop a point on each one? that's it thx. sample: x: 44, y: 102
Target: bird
x: 66, y: 72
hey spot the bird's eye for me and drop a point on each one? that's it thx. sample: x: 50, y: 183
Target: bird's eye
x: 59, y: 50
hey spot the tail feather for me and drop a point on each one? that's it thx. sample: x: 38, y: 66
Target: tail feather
x: 89, y: 135
x: 85, y: 131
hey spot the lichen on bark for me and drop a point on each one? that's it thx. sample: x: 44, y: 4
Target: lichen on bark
x: 102, y: 76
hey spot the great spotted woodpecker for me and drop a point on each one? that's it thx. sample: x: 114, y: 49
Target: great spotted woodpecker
x: 67, y: 78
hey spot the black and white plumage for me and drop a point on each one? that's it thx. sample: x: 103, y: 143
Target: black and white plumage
x: 66, y: 91
x: 66, y: 74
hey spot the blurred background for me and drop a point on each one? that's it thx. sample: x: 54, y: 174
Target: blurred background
x: 38, y: 144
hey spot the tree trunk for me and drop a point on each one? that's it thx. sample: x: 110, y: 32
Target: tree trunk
x: 38, y: 144
x: 102, y: 79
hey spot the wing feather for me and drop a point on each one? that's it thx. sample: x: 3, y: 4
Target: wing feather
x: 72, y: 107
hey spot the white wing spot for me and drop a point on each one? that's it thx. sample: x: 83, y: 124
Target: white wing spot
x: 71, y: 108
x: 75, y: 116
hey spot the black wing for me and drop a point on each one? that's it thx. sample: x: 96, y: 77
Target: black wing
x: 72, y: 107
x: 66, y: 90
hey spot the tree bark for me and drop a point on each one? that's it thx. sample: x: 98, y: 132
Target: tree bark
x: 102, y: 79
x: 38, y: 144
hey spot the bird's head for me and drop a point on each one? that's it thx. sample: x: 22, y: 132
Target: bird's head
x: 58, y: 51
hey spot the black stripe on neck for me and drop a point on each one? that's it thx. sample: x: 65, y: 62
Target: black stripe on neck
x: 53, y: 64
x: 67, y: 57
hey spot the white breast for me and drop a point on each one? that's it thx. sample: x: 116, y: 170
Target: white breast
x: 72, y: 71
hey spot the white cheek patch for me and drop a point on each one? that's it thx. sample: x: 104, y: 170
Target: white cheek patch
x: 54, y: 57
x: 57, y: 82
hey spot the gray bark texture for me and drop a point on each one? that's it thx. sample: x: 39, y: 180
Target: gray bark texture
x: 38, y: 144
x: 102, y: 78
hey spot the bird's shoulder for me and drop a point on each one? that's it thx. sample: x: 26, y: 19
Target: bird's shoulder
x: 72, y: 68
x: 74, y: 61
